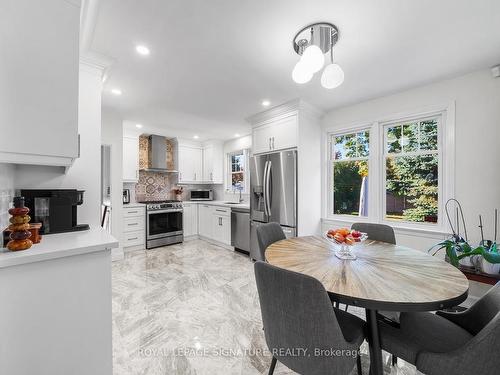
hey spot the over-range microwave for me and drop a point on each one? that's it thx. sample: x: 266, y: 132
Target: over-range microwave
x: 202, y: 195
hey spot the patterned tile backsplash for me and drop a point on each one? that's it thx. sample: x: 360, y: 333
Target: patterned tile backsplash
x: 6, y: 193
x: 153, y: 186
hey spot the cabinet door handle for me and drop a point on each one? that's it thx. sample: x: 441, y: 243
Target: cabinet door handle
x: 273, y: 143
x: 211, y: 176
x: 195, y: 176
x: 269, y: 143
x: 132, y: 224
x: 132, y: 212
x: 132, y: 238
x: 220, y: 210
x: 180, y: 176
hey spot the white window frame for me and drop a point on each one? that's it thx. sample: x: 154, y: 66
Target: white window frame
x: 229, y: 155
x: 331, y: 162
x: 377, y: 172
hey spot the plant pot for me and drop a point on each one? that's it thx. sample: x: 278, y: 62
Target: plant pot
x: 466, y: 262
x: 489, y: 268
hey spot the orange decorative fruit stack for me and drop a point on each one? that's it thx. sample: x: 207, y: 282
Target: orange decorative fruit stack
x: 19, y: 226
x: 345, y: 236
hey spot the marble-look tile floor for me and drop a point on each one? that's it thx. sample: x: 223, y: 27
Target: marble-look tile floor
x: 192, y: 309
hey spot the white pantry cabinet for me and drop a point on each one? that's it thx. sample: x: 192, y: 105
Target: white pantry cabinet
x: 190, y: 219
x: 213, y: 162
x: 277, y: 134
x: 190, y: 162
x: 39, y: 66
x: 130, y: 159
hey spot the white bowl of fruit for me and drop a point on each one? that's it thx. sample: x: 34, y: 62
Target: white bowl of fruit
x: 345, y: 238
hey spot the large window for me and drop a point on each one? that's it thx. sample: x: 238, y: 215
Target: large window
x: 349, y: 156
x: 237, y: 170
x: 391, y: 171
x: 412, y: 171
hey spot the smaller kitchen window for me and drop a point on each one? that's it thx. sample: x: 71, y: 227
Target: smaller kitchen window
x: 237, y: 162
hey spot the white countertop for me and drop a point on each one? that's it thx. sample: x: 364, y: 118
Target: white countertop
x: 222, y: 204
x: 60, y: 245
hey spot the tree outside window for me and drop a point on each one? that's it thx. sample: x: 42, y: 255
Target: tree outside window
x: 350, y: 154
x: 411, y: 170
x: 237, y: 170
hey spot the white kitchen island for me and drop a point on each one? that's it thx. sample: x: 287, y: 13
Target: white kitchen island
x: 55, y: 306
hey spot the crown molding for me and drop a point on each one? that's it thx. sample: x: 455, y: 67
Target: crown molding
x: 292, y: 106
x: 88, y: 19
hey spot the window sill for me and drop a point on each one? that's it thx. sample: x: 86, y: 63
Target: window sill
x: 398, y: 228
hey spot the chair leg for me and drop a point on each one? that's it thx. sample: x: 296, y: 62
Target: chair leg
x: 346, y: 307
x: 358, y: 363
x: 337, y: 305
x: 394, y: 360
x: 273, y: 365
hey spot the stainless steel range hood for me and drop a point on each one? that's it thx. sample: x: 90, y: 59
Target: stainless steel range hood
x: 157, y: 155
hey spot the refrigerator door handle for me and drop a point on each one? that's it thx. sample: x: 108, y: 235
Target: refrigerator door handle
x: 265, y: 188
x: 268, y: 188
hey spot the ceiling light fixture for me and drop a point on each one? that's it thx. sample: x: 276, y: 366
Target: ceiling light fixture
x: 142, y: 50
x: 116, y: 91
x: 236, y: 135
x: 312, y: 43
x: 195, y: 137
x: 138, y: 126
x: 266, y: 103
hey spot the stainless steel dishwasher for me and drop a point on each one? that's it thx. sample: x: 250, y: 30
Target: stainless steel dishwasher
x: 240, y: 229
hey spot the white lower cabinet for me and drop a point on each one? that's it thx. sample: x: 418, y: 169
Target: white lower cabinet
x: 221, y: 224
x: 190, y: 219
x: 214, y: 222
x: 205, y: 220
x: 134, y: 227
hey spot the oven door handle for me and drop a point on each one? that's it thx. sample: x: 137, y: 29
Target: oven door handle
x: 163, y: 211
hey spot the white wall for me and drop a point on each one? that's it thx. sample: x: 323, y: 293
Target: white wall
x: 112, y: 135
x: 232, y: 145
x: 85, y: 173
x: 6, y: 194
x: 477, y: 122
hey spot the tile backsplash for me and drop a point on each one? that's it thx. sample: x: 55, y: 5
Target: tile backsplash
x: 6, y: 193
x: 153, y: 186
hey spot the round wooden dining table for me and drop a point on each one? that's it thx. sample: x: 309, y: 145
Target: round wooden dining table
x: 382, y: 277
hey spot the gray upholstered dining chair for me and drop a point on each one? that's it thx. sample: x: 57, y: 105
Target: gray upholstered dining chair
x: 376, y: 232
x: 297, y: 314
x: 460, y: 343
x: 268, y: 234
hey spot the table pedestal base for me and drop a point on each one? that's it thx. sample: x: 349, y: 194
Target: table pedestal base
x: 376, y: 366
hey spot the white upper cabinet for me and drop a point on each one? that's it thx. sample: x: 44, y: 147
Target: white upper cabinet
x: 277, y: 134
x: 213, y: 164
x: 130, y: 159
x: 190, y: 162
x: 39, y: 63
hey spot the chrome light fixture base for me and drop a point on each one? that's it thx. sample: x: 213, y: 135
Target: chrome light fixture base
x: 322, y: 34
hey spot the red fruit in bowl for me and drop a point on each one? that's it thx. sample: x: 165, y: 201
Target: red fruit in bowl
x: 349, y: 240
x: 356, y: 234
x: 339, y: 238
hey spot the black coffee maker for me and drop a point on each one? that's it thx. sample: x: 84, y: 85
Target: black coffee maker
x: 55, y: 209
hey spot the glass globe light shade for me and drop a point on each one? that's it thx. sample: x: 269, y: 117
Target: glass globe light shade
x: 313, y: 58
x: 332, y: 76
x: 300, y: 74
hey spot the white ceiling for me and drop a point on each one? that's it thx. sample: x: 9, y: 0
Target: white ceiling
x: 213, y: 62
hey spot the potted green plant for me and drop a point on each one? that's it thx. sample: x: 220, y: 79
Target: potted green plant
x: 460, y: 252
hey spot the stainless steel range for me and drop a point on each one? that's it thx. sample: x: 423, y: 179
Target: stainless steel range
x: 163, y: 223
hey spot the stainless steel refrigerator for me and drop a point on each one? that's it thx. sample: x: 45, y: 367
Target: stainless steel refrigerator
x: 273, y: 194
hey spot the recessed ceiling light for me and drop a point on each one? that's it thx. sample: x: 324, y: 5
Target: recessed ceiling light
x: 116, y: 91
x: 142, y: 50
x: 266, y: 103
x: 138, y: 126
x: 195, y: 137
x: 236, y: 135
